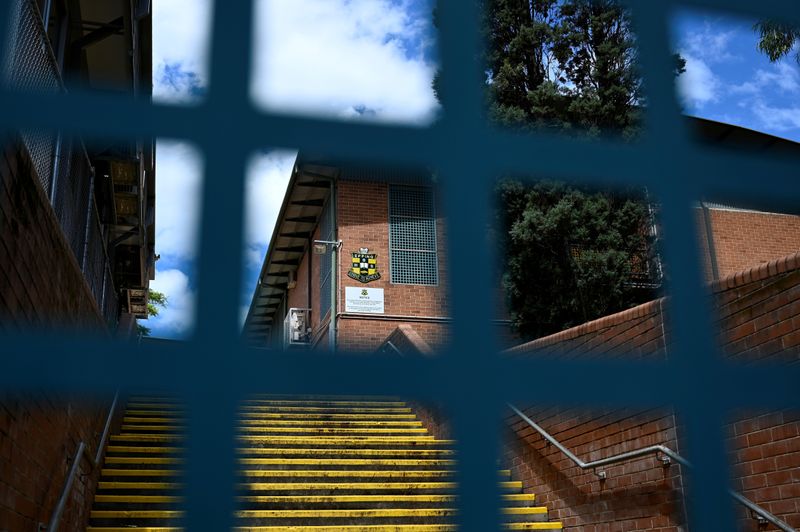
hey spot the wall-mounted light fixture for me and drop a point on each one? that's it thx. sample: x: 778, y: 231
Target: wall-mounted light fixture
x: 321, y: 246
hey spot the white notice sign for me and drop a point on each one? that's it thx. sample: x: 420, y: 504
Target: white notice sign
x: 363, y: 300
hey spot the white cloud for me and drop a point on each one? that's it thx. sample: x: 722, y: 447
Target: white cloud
x: 181, y: 36
x: 698, y: 85
x: 341, y: 58
x: 782, y: 75
x: 773, y: 118
x: 178, y: 317
x: 178, y: 178
x: 267, y: 177
x: 710, y: 44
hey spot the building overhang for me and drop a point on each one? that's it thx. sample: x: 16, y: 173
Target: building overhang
x: 306, y: 195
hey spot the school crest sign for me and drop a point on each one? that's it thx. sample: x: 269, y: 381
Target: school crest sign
x: 364, y: 267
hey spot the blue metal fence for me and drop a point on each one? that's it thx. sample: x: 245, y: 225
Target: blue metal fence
x: 213, y: 371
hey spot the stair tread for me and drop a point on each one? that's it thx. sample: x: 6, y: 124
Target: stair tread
x: 344, y: 528
x: 345, y: 451
x: 310, y: 463
x: 347, y: 461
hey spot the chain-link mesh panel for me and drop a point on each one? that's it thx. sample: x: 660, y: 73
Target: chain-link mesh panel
x: 412, y: 235
x: 61, y: 164
x: 31, y: 66
x: 72, y: 195
x: 97, y: 270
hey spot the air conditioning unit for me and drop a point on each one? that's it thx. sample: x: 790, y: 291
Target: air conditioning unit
x: 297, y: 327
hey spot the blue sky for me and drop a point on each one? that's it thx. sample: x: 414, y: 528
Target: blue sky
x: 728, y: 80
x: 317, y: 57
x: 374, y: 60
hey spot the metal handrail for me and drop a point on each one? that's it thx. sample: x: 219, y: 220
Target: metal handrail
x: 668, y: 456
x: 82, y: 452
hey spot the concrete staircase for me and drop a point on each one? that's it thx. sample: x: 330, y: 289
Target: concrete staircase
x: 140, y: 480
x: 317, y: 464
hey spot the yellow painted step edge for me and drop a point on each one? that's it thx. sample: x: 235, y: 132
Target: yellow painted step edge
x: 129, y: 529
x: 347, y: 452
x: 337, y: 486
x: 285, y: 473
x: 332, y: 410
x: 368, y: 512
x: 329, y: 423
x: 554, y: 525
x: 139, y: 499
x: 139, y: 472
x: 428, y: 440
x: 262, y: 499
x: 327, y: 417
x: 323, y: 403
x: 337, y: 430
x: 103, y: 485
x: 136, y: 514
x: 348, y: 461
x: 287, y: 486
x: 142, y: 450
x: 135, y: 460
x: 345, y: 528
x: 311, y: 499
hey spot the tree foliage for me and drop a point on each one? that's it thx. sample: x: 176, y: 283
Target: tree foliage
x: 565, y: 66
x: 777, y: 39
x: 562, y: 64
x: 568, y: 253
x: 156, y: 301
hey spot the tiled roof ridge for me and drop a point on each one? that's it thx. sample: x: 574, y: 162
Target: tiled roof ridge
x: 757, y: 273
x: 639, y: 311
x: 734, y: 280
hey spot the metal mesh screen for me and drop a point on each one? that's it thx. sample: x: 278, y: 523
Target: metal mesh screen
x: 412, y: 235
x: 326, y: 232
x: 72, y: 195
x: 60, y: 161
x: 29, y: 65
x: 468, y: 154
x: 97, y: 270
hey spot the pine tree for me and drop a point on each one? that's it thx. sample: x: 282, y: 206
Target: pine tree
x: 565, y: 66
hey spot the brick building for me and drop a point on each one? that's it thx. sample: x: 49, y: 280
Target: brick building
x: 357, y: 261
x: 77, y: 226
x: 369, y: 222
x: 752, y: 264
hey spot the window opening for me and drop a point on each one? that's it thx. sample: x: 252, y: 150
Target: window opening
x: 412, y: 235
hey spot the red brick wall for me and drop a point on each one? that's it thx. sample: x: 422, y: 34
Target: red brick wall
x: 39, y: 435
x: 765, y: 446
x: 759, y: 321
x: 433, y: 418
x: 637, y: 495
x: 357, y: 334
x: 363, y: 222
x: 41, y: 284
x: 759, y: 318
x: 744, y: 239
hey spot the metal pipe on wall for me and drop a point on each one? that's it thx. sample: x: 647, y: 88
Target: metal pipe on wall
x: 334, y: 276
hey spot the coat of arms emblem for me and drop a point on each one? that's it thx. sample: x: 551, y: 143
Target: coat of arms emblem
x: 364, y: 267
